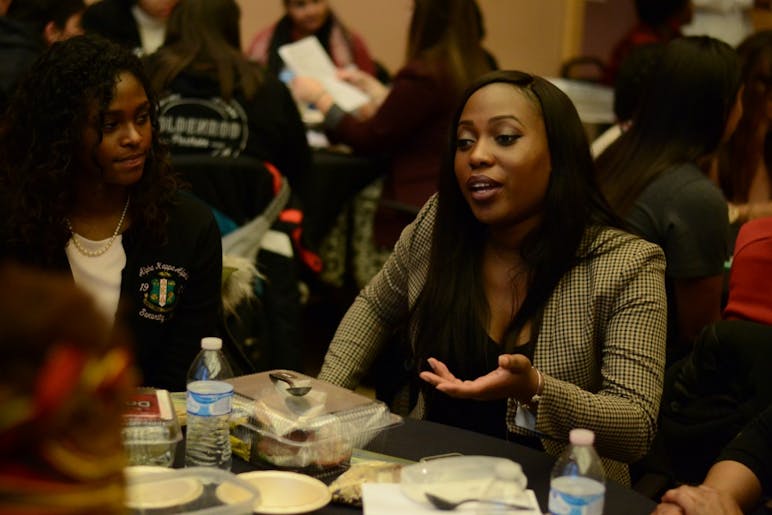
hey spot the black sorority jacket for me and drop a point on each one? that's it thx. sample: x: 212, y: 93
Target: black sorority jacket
x: 170, y: 291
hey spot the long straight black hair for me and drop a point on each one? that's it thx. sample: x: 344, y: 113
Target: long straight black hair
x: 451, y: 314
x: 682, y: 117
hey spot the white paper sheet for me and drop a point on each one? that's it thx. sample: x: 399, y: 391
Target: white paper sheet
x: 388, y: 499
x: 306, y: 57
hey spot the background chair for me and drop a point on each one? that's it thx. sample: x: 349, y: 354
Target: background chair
x: 247, y: 196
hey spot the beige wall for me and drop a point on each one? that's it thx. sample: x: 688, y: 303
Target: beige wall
x: 532, y: 35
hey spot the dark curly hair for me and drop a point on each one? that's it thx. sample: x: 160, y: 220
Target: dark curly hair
x: 42, y: 132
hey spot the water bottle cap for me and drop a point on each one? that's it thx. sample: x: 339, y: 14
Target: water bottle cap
x: 211, y: 343
x: 581, y: 437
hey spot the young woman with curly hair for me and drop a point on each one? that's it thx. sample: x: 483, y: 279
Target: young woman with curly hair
x: 87, y: 188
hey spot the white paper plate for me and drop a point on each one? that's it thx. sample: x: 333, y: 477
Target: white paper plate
x: 165, y: 493
x: 135, y: 471
x: 281, y: 492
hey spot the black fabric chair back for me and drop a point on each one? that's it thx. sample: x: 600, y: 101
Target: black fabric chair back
x: 240, y: 187
x: 714, y: 392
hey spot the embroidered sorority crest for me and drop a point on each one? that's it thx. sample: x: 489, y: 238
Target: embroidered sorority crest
x: 161, y: 285
x: 161, y: 296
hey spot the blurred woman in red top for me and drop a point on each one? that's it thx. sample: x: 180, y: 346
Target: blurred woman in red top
x: 659, y: 21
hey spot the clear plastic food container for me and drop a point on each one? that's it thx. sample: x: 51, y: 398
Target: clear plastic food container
x: 150, y: 431
x: 455, y: 478
x: 314, y: 433
x: 199, y: 490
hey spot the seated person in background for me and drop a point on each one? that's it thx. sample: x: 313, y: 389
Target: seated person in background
x: 629, y: 87
x: 651, y: 176
x: 745, y: 162
x: 305, y: 18
x: 26, y: 30
x: 64, y: 377
x: 205, y: 81
x: 409, y: 122
x: 734, y: 484
x: 659, y: 21
x: 136, y: 24
x: 527, y: 312
x: 85, y: 188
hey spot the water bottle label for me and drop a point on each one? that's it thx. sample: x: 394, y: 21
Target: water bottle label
x: 209, y: 398
x: 576, y: 496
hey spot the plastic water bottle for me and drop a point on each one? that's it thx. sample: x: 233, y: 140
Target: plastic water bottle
x: 209, y: 403
x: 578, y: 484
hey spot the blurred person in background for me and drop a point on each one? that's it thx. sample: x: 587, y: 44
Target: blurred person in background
x: 630, y: 85
x: 201, y: 73
x: 658, y: 21
x: 65, y: 375
x: 303, y: 18
x: 654, y: 176
x: 745, y: 162
x: 28, y: 27
x: 86, y: 188
x: 137, y: 24
x: 408, y: 122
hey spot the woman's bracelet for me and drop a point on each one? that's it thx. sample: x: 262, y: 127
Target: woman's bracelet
x: 539, y: 388
x: 536, y: 397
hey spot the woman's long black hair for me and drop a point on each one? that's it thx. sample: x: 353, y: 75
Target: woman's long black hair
x: 41, y: 134
x: 681, y: 118
x: 452, y: 312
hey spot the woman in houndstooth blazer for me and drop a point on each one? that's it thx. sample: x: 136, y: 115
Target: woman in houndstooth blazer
x: 528, y: 312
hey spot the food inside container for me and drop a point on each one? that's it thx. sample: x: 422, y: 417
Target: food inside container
x: 314, y: 433
x: 150, y: 431
x: 199, y: 490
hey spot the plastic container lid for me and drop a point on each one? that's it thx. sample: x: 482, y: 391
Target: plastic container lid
x: 461, y: 477
x: 150, y: 430
x: 581, y: 437
x: 211, y: 343
x: 314, y: 433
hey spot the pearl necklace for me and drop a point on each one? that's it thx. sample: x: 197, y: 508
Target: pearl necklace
x: 94, y: 253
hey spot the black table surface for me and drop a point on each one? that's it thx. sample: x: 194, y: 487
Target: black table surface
x: 416, y: 439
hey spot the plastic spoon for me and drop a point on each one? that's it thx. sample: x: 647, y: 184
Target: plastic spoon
x: 446, y: 505
x: 293, y: 389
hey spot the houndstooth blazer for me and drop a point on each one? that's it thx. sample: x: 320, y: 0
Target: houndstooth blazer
x: 601, y: 345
